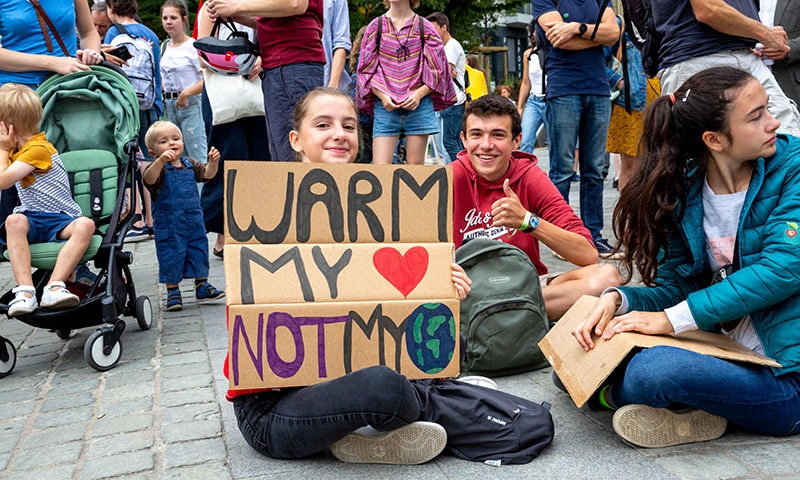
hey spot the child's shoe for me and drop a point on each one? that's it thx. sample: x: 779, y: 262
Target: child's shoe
x: 22, y: 304
x: 174, y: 300
x: 206, y: 292
x: 416, y: 443
x: 60, y: 297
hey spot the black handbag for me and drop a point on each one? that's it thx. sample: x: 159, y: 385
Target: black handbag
x: 486, y: 425
x: 235, y: 55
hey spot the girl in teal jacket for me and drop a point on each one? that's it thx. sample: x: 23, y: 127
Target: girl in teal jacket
x: 717, y: 190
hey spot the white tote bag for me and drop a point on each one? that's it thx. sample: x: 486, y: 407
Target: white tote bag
x: 233, y: 97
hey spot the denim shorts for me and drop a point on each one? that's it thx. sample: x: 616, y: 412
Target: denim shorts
x: 42, y: 226
x: 421, y: 121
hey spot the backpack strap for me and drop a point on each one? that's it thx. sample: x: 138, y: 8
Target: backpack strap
x: 124, y: 31
x: 96, y: 193
x: 44, y: 19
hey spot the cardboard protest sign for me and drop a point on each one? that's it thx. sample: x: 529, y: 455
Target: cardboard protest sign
x: 333, y: 268
x: 582, y: 373
x: 297, y: 344
x: 317, y: 273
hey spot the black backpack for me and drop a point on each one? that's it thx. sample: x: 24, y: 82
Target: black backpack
x: 486, y: 425
x: 641, y: 29
x: 504, y: 317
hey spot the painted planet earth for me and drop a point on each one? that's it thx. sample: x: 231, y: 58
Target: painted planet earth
x: 431, y: 337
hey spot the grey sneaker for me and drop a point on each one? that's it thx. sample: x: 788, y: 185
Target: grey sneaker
x: 417, y: 442
x: 649, y: 427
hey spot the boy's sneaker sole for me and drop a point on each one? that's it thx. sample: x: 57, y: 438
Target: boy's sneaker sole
x: 649, y: 427
x: 416, y: 443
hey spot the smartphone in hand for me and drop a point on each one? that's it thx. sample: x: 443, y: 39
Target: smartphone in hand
x: 122, y: 53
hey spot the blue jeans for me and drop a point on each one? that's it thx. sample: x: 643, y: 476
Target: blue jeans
x: 748, y: 395
x: 190, y: 121
x: 584, y: 118
x: 299, y: 422
x: 451, y: 129
x: 283, y: 87
x: 532, y: 118
x: 438, y: 143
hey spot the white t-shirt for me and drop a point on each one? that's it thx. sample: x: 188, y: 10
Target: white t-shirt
x: 535, y: 74
x: 455, y: 56
x: 180, y: 67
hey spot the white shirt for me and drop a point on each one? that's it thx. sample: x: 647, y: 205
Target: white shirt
x: 455, y: 56
x: 180, y: 67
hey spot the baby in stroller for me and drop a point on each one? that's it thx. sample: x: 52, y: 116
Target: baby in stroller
x: 47, y: 212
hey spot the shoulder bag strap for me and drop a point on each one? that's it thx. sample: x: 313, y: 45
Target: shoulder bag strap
x: 43, y: 18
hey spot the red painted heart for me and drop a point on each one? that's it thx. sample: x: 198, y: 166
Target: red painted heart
x: 404, y: 272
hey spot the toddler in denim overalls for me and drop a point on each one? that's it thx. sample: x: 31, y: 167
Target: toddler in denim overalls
x: 181, y: 244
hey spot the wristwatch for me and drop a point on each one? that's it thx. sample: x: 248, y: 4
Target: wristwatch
x: 533, y: 223
x: 582, y: 29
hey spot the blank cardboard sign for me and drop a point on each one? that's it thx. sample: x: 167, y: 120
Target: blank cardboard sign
x: 582, y: 373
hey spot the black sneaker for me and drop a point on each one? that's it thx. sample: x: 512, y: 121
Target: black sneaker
x: 606, y: 250
x: 136, y: 234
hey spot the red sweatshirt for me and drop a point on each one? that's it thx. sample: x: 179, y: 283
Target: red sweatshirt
x: 473, y: 197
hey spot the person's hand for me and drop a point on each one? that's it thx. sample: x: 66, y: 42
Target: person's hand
x: 66, y: 65
x: 255, y: 71
x: 508, y: 211
x: 776, y: 39
x: 775, y: 53
x: 89, y: 57
x: 461, y: 281
x: 412, y: 102
x: 649, y: 323
x: 7, y: 138
x: 596, y: 321
x: 167, y: 156
x: 213, y: 155
x: 387, y: 102
x: 559, y: 33
x: 222, y: 8
x: 183, y: 100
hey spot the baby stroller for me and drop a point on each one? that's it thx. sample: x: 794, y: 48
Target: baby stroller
x: 92, y: 118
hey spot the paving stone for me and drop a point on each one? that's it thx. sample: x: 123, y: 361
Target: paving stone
x: 197, y: 430
x: 183, y: 347
x: 7, y: 443
x: 195, y: 452
x: 179, y: 371
x: 128, y: 379
x: 114, y: 425
x: 185, y: 358
x: 14, y: 410
x: 53, y: 436
x: 122, y: 464
x: 45, y: 473
x: 35, y: 458
x: 197, y: 395
x: 190, y: 413
x: 215, y: 470
x: 703, y: 467
x: 70, y: 416
x: 187, y: 382
x: 113, y: 445
x: 74, y: 384
x: 67, y: 401
x: 774, y: 459
x: 13, y: 427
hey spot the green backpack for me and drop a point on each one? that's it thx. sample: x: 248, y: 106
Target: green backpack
x: 503, y: 318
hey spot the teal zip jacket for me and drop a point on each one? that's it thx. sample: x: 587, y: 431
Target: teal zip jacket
x: 766, y: 281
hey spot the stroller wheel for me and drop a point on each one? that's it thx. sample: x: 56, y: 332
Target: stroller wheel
x: 144, y: 312
x: 8, y: 357
x: 64, y: 334
x: 96, y: 357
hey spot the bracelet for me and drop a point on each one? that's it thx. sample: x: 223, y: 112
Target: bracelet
x: 525, y: 221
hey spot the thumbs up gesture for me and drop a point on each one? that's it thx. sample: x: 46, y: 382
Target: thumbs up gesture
x: 508, y: 211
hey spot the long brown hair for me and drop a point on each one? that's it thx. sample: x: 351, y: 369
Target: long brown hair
x: 673, y: 155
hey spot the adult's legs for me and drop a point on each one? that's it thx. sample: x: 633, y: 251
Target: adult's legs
x: 308, y: 420
x: 532, y: 118
x: 564, y: 290
x: 745, y: 394
x: 415, y: 149
x: 283, y: 87
x: 190, y: 120
x: 451, y: 129
x: 563, y: 121
x: 383, y: 149
x: 595, y: 116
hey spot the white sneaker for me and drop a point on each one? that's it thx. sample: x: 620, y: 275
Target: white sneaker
x: 22, y: 304
x: 479, y: 381
x: 60, y: 297
x: 416, y: 443
x: 649, y: 427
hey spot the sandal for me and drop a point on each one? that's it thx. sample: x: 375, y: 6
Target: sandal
x: 219, y: 253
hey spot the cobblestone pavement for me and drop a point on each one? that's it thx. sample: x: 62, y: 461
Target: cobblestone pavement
x: 161, y: 412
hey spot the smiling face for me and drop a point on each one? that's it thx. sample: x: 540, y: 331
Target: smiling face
x: 172, y: 21
x: 489, y: 143
x: 752, y: 129
x: 328, y: 133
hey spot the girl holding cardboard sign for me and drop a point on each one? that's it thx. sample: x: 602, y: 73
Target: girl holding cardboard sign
x: 709, y: 221
x: 299, y: 422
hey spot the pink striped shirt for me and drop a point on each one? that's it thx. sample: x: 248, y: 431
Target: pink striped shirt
x: 403, y: 65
